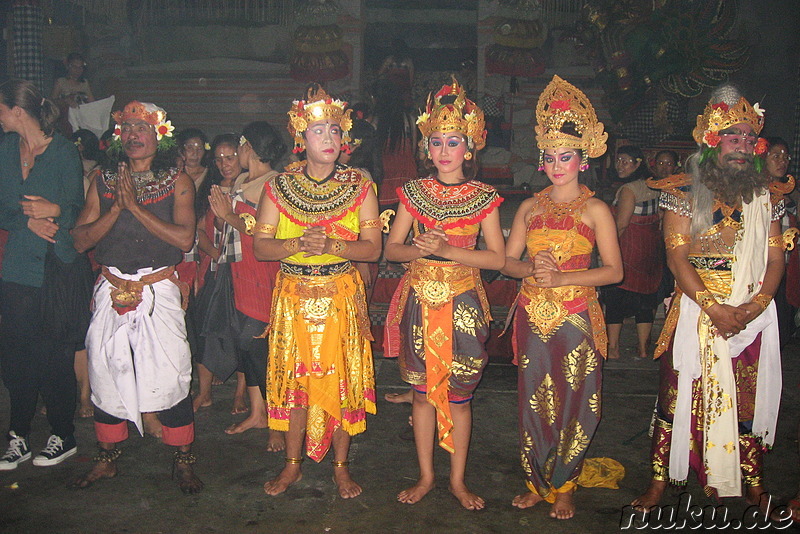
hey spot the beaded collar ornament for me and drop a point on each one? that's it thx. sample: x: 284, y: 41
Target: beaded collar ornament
x: 454, y: 115
x: 318, y: 105
x: 149, y: 113
x: 562, y: 102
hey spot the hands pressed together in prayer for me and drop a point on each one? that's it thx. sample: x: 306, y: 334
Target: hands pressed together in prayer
x: 432, y: 243
x: 545, y: 270
x: 220, y: 203
x: 41, y: 215
x: 125, y: 193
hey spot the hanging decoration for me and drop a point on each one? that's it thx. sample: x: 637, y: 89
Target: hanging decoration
x: 650, y: 57
x: 519, y: 32
x: 317, y: 46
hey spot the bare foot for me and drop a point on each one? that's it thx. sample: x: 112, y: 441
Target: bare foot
x: 399, y: 398
x: 415, y: 493
x: 187, y: 480
x: 468, y: 500
x: 564, y: 507
x: 100, y: 470
x: 277, y: 441
x: 794, y: 506
x: 757, y: 495
x: 651, y: 497
x: 347, y: 486
x: 86, y: 410
x: 201, y: 401
x: 216, y: 381
x: 613, y: 353
x: 289, y: 475
x: 526, y: 500
x: 254, y: 421
x: 152, y: 426
x: 239, y: 405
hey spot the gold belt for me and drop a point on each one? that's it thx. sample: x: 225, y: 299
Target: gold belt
x: 547, y: 306
x: 436, y: 283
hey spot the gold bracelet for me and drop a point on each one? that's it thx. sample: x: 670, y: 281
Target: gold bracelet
x: 777, y: 242
x: 265, y: 228
x: 249, y: 222
x: 370, y: 223
x: 705, y: 299
x: 337, y: 247
x: 291, y: 245
x: 763, y: 300
x: 675, y: 240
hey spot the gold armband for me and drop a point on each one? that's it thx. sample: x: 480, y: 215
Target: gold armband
x: 265, y: 228
x: 291, y: 245
x: 705, y: 299
x: 370, y: 223
x: 338, y: 246
x: 674, y: 240
x: 249, y: 222
x: 777, y: 242
x: 386, y: 216
x: 762, y: 300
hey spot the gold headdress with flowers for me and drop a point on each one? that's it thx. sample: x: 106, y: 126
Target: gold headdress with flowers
x: 562, y: 102
x: 318, y: 105
x: 720, y: 116
x: 462, y: 115
x: 149, y: 113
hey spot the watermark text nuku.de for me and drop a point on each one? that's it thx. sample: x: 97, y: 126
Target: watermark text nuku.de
x: 685, y: 515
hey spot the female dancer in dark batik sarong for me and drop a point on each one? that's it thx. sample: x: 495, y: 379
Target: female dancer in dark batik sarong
x: 559, y: 334
x: 440, y: 307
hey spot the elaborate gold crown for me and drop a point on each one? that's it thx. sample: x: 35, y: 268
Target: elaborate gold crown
x: 461, y: 115
x: 720, y: 116
x: 318, y: 105
x: 562, y: 102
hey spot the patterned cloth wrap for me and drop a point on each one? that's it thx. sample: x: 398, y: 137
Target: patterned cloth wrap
x: 319, y: 343
x: 559, y: 343
x: 438, y: 320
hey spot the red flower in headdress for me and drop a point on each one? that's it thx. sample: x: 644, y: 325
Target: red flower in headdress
x: 445, y: 90
x: 561, y: 105
x: 720, y: 105
x: 761, y: 146
x: 712, y: 139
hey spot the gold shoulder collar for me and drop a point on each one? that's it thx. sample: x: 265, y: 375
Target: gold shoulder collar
x: 670, y: 182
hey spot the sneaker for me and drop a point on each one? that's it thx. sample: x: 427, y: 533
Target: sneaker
x: 17, y: 452
x: 56, y: 451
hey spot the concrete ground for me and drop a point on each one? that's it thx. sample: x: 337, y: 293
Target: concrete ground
x: 143, y: 499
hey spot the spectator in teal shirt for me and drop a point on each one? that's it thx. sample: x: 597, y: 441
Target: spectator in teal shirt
x: 41, y: 194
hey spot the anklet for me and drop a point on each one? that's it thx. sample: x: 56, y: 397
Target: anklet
x: 186, y: 458
x: 340, y: 464
x: 294, y: 461
x: 107, y: 456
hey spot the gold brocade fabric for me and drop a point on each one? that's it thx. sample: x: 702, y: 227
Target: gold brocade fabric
x: 718, y: 282
x: 320, y: 356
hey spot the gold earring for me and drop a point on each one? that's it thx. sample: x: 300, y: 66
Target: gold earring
x: 468, y: 156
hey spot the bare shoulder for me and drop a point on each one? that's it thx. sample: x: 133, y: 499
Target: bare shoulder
x: 183, y: 183
x: 597, y: 207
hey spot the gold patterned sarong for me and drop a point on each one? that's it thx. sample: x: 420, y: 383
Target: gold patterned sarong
x: 320, y: 356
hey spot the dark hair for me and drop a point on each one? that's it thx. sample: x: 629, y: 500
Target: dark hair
x: 90, y: 145
x: 266, y: 142
x: 214, y: 176
x: 366, y: 155
x: 670, y: 153
x: 642, y: 171
x: 73, y: 56
x: 391, y: 116
x: 469, y: 167
x: 25, y: 95
x: 779, y: 141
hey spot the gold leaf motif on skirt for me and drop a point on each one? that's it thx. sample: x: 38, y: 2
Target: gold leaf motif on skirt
x: 524, y: 361
x: 439, y: 337
x: 465, y: 319
x: 417, y: 338
x: 573, y: 440
x: 545, y: 401
x: 527, y: 447
x: 316, y: 309
x: 578, y: 364
x: 594, y: 403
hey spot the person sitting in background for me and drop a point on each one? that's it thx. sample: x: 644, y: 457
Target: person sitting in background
x: 665, y: 163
